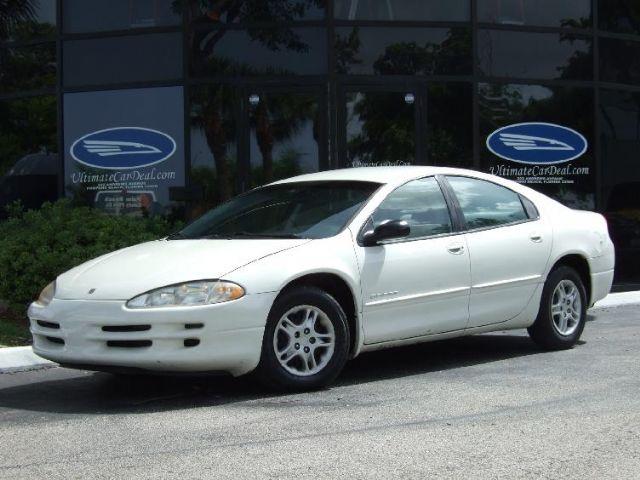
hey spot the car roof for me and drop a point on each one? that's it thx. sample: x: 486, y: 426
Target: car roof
x: 383, y: 175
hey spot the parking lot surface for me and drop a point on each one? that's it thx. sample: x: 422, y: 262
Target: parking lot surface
x: 490, y: 406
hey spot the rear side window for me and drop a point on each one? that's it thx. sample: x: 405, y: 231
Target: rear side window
x: 531, y: 209
x: 485, y: 204
x: 421, y: 204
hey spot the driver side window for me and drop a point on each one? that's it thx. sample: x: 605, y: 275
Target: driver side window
x: 421, y: 204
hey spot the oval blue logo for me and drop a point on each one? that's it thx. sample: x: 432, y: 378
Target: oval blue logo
x: 123, y: 148
x: 537, y: 143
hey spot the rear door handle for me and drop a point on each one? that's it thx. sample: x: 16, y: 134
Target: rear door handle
x: 535, y: 237
x: 456, y: 249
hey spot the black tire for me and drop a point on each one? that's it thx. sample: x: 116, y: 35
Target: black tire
x: 271, y: 373
x: 544, y: 330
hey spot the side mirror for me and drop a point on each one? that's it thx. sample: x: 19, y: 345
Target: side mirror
x: 387, y: 230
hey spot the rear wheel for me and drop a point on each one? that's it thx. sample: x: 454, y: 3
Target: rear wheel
x: 563, y: 310
x: 306, y: 341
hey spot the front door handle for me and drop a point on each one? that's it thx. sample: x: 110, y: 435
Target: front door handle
x: 456, y: 249
x: 535, y: 237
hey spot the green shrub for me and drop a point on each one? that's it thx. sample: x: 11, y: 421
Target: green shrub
x: 37, y: 245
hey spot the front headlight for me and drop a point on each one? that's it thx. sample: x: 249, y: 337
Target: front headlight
x: 188, y: 295
x: 47, y: 294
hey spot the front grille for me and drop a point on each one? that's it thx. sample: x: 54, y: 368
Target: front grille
x: 55, y: 340
x: 129, y: 343
x: 126, y: 328
x: 53, y: 325
x: 191, y: 342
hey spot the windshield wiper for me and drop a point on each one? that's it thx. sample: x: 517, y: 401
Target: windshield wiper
x: 265, y: 235
x: 177, y: 236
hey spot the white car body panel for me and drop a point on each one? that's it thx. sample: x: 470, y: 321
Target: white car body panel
x: 419, y: 284
x: 404, y: 292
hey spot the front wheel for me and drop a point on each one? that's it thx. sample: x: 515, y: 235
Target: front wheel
x: 306, y: 341
x: 563, y: 311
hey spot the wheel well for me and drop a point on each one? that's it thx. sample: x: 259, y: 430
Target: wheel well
x: 338, y: 289
x: 580, y: 265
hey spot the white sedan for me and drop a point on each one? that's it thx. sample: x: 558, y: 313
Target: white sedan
x: 291, y: 280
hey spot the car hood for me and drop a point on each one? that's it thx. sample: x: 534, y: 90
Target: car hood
x: 126, y: 273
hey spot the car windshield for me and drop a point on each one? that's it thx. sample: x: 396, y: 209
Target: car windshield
x: 289, y: 210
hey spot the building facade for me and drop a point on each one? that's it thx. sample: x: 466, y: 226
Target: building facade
x: 161, y: 107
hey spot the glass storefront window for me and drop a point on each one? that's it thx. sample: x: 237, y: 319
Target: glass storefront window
x: 214, y: 146
x: 542, y: 13
x: 620, y: 16
x: 262, y: 51
x: 240, y: 11
x: 403, y: 51
x: 620, y: 144
x: 572, y: 183
x: 285, y: 130
x: 81, y: 16
x: 28, y: 68
x: 123, y: 59
x: 620, y: 61
x: 380, y: 129
x: 28, y: 151
x: 534, y: 55
x: 24, y: 21
x: 412, y: 10
x: 124, y: 149
x: 450, y: 124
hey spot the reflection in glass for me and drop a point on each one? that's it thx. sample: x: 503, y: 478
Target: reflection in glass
x: 28, y: 68
x: 264, y: 51
x: 213, y: 145
x: 572, y: 183
x: 450, y: 124
x: 621, y: 16
x: 403, y: 51
x: 426, y: 10
x: 284, y: 136
x: 28, y: 151
x: 620, y: 61
x: 97, y: 15
x: 534, y: 55
x: 254, y: 11
x: 380, y: 129
x: 485, y: 204
x: 27, y: 20
x: 620, y: 144
x: 542, y: 13
x: 421, y: 204
x: 123, y: 59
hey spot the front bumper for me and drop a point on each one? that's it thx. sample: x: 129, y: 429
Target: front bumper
x: 225, y: 337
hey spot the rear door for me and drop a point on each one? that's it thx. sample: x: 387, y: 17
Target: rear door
x: 509, y: 247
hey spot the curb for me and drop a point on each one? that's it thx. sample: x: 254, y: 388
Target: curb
x: 618, y: 300
x: 18, y: 359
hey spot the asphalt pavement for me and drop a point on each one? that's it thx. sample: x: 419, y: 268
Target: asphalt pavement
x: 490, y: 406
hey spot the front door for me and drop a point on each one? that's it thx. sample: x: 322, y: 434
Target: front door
x: 243, y: 136
x: 418, y: 285
x: 284, y: 132
x: 379, y: 125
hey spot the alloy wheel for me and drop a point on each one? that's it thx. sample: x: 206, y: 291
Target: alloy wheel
x: 566, y: 307
x: 304, y: 340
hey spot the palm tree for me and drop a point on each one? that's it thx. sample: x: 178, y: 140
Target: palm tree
x: 14, y: 12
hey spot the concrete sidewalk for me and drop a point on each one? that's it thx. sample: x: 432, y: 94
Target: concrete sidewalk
x: 15, y: 359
